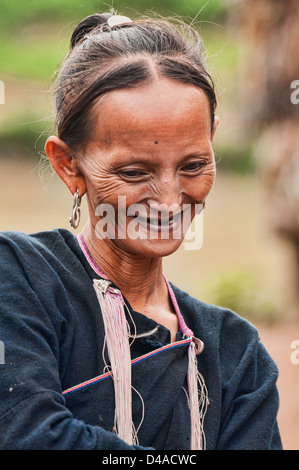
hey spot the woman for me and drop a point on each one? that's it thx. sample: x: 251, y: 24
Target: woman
x: 101, y: 352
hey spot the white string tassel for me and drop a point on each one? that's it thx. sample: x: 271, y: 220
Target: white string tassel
x: 117, y: 340
x: 198, y: 401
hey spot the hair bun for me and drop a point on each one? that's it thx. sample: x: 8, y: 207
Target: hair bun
x: 86, y: 25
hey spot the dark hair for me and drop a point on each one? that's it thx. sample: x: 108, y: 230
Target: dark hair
x: 103, y: 59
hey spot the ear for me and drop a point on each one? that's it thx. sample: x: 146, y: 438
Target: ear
x: 65, y: 165
x: 216, y: 122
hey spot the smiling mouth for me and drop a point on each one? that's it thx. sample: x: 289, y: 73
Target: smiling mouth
x: 168, y: 222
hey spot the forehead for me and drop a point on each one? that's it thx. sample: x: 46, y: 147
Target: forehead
x: 158, y: 110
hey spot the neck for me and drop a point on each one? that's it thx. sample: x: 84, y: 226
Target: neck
x: 140, y: 279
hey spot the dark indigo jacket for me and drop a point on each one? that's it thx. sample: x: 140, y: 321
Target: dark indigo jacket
x: 53, y: 333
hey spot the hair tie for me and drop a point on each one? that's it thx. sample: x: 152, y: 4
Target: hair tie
x: 118, y: 20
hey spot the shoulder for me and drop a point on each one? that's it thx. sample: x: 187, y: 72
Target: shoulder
x: 36, y: 240
x: 213, y: 321
x: 37, y: 275
x: 231, y: 343
x: 19, y: 243
x: 31, y: 253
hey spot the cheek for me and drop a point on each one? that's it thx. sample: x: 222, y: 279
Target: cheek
x: 200, y: 187
x: 208, y: 179
x: 106, y: 188
x: 101, y: 184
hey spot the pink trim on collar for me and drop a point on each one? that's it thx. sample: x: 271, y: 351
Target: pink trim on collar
x: 183, y: 327
x: 88, y: 256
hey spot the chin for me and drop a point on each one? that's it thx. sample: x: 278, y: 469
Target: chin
x: 151, y: 248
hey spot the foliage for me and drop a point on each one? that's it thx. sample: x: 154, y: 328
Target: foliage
x: 30, y: 31
x: 34, y: 38
x: 25, y: 136
x: 242, y: 293
x: 19, y: 12
x: 236, y: 159
x: 37, y: 61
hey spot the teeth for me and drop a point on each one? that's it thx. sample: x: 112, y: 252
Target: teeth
x: 155, y: 222
x: 170, y: 222
x: 164, y: 222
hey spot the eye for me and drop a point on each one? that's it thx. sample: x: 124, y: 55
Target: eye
x: 193, y: 167
x: 133, y: 174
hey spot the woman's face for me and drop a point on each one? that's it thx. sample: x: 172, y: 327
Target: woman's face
x: 150, y: 157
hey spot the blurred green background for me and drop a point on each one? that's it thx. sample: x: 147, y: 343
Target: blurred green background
x: 236, y: 267
x: 245, y: 263
x: 34, y: 38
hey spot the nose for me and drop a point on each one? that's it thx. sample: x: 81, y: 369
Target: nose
x: 167, y: 191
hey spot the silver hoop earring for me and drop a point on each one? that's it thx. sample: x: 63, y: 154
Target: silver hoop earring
x: 75, y: 214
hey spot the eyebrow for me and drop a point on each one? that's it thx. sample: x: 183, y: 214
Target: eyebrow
x: 143, y: 157
x: 150, y: 162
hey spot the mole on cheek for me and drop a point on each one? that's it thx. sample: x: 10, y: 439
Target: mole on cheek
x: 156, y: 142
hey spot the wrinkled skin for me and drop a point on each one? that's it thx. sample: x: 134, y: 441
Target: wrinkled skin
x: 152, y: 145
